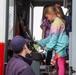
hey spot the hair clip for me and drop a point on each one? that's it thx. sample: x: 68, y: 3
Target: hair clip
x: 57, y: 5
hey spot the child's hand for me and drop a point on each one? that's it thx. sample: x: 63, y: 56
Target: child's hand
x: 35, y: 42
x: 42, y: 48
x: 53, y: 62
x: 45, y: 49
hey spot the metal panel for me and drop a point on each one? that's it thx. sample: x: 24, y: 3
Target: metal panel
x: 47, y: 0
x: 43, y: 2
x: 11, y: 19
x: 74, y: 36
x: 36, y: 67
x: 2, y: 33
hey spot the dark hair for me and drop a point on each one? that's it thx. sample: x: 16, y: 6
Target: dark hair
x: 19, y: 51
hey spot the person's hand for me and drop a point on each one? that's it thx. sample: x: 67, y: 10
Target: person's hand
x: 43, y: 48
x: 35, y: 42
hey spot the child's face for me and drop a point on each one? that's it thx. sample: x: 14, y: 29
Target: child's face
x: 49, y: 17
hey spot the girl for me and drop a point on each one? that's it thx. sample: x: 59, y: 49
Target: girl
x: 57, y: 39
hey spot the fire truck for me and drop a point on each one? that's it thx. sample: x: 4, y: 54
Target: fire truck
x: 15, y: 20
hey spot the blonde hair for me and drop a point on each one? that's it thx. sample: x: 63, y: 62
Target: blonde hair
x: 43, y: 15
x: 55, y: 10
x: 50, y: 10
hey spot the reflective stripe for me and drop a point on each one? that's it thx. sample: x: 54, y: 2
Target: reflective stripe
x: 2, y: 33
x: 1, y: 58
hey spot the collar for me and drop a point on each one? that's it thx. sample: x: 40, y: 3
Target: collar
x: 26, y: 59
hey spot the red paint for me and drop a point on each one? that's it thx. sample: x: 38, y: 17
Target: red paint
x: 1, y: 58
x: 16, y: 31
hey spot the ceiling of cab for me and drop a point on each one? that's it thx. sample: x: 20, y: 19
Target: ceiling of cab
x: 43, y: 2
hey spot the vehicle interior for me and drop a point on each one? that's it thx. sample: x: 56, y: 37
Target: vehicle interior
x: 20, y: 9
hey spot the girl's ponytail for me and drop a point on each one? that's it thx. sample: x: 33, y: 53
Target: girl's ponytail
x: 59, y: 12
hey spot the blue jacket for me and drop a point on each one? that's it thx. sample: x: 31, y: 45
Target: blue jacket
x: 54, y: 42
